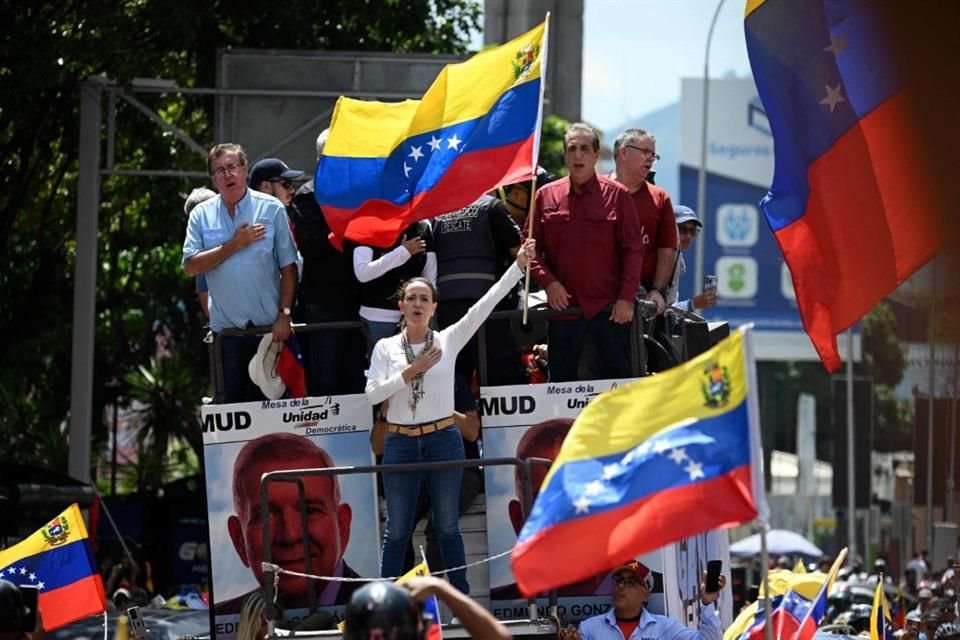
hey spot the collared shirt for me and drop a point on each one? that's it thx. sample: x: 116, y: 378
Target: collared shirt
x: 591, y: 242
x: 655, y: 212
x: 244, y: 288
x: 654, y: 627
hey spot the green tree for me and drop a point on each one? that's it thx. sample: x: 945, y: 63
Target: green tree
x: 551, y: 144
x: 142, y: 294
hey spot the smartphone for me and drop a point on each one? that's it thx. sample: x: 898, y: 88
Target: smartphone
x: 28, y: 594
x: 138, y: 628
x: 713, y: 575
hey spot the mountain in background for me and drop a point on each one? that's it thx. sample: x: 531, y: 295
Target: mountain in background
x: 664, y: 124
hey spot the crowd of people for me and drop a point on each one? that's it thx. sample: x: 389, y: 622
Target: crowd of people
x: 259, y: 248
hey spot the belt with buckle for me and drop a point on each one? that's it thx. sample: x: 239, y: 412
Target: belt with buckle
x: 417, y: 430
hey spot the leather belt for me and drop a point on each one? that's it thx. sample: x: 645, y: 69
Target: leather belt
x: 417, y: 430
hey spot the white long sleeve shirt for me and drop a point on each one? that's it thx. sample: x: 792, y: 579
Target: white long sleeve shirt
x: 385, y: 376
x: 367, y: 269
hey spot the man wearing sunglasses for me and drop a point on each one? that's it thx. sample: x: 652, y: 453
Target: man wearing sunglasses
x: 688, y: 227
x: 273, y: 176
x: 628, y: 618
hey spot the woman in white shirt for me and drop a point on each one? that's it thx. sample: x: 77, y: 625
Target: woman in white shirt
x: 414, y: 370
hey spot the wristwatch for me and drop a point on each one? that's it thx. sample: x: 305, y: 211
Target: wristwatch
x: 285, y: 311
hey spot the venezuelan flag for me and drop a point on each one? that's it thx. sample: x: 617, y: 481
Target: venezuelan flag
x: 57, y: 560
x: 848, y: 204
x: 386, y: 165
x: 881, y: 623
x: 645, y: 465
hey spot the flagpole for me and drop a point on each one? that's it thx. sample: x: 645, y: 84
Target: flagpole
x: 530, y: 207
x: 765, y: 569
x: 536, y: 158
x: 827, y: 582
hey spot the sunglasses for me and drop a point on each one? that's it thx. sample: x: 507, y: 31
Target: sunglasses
x: 691, y: 230
x: 626, y: 581
x: 283, y: 182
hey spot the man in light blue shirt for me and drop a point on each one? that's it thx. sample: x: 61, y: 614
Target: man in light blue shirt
x: 241, y: 241
x: 628, y: 619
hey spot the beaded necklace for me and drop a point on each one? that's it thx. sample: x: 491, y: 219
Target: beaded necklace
x: 416, y: 385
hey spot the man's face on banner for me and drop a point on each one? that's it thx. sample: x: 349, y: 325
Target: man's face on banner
x: 328, y: 526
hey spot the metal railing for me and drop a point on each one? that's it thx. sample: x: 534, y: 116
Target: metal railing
x: 641, y: 338
x: 296, y: 476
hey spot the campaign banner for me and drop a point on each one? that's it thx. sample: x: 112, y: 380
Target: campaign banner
x: 531, y: 421
x: 244, y: 441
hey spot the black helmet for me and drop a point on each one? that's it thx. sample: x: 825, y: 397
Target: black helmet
x: 382, y: 610
x: 12, y: 610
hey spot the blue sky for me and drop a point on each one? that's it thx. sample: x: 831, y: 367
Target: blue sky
x: 636, y: 51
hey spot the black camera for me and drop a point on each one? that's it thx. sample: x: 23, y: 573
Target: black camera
x: 18, y: 607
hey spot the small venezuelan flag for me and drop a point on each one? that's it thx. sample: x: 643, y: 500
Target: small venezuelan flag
x: 386, y: 165
x: 881, y: 623
x: 57, y: 560
x: 648, y: 464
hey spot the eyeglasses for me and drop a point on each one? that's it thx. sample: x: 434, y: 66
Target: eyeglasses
x: 647, y: 153
x: 230, y: 168
x: 627, y: 582
x: 283, y: 182
x: 692, y: 230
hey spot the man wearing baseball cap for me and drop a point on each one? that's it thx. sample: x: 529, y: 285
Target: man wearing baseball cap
x: 688, y: 228
x: 628, y: 619
x: 273, y: 176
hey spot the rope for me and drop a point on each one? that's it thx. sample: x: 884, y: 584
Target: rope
x: 278, y: 570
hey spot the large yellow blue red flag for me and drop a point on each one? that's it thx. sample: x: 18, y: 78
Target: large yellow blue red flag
x: 57, y: 561
x: 386, y: 165
x: 647, y: 464
x: 850, y: 204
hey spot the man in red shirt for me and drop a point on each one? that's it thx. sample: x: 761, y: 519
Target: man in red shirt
x: 635, y: 151
x: 589, y: 254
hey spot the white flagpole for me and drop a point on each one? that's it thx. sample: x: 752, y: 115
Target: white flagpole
x: 536, y: 158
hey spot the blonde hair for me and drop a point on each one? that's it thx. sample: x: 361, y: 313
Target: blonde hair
x: 252, y: 617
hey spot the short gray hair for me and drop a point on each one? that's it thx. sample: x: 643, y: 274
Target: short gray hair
x: 322, y: 141
x: 583, y: 127
x: 198, y: 195
x: 629, y: 136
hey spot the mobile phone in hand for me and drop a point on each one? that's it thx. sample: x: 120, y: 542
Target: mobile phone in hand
x: 713, y: 575
x: 138, y: 628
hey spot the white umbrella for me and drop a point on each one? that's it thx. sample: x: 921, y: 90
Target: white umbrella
x: 780, y: 542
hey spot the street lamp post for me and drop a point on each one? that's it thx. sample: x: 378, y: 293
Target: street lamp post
x: 702, y: 173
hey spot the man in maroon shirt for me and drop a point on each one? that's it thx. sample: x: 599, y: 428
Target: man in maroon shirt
x: 589, y: 254
x: 635, y: 151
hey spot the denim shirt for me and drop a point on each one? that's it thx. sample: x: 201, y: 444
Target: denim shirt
x: 244, y: 288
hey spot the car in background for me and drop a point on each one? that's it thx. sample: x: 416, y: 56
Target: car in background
x: 164, y: 624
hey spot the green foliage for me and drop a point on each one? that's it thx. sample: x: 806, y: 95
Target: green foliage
x: 551, y: 144
x: 142, y: 293
x: 883, y: 356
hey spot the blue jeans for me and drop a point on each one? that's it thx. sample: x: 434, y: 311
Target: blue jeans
x: 566, y: 340
x: 235, y: 355
x: 401, y: 490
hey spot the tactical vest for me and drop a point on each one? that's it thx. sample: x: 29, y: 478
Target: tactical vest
x: 379, y: 293
x: 466, y: 255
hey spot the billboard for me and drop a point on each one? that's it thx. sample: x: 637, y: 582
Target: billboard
x: 243, y: 441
